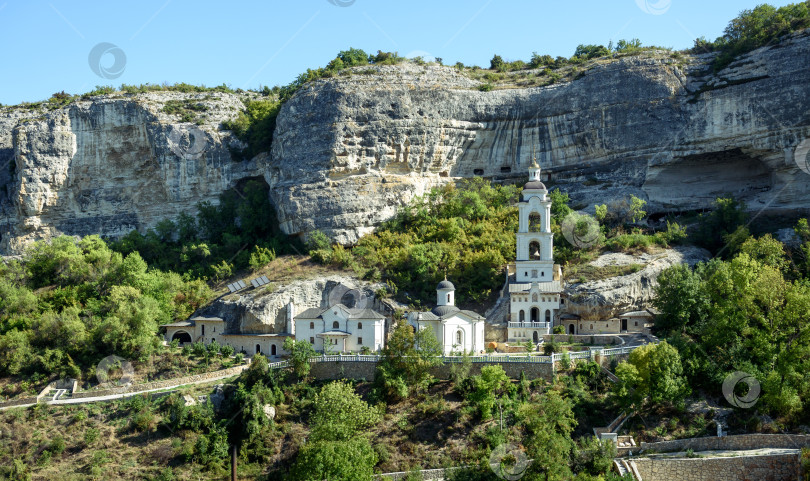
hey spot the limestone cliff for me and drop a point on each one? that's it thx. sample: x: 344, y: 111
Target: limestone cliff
x: 114, y: 164
x: 349, y: 150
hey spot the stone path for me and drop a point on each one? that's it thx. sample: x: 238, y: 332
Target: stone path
x: 112, y: 397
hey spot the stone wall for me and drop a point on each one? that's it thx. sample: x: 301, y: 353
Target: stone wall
x: 776, y: 467
x: 739, y: 442
x: 366, y: 370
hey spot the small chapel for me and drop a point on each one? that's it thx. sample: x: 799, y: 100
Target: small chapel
x: 457, y: 330
x: 535, y: 282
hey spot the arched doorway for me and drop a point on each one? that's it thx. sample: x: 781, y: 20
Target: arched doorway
x: 258, y: 349
x: 548, y: 315
x: 535, y: 314
x: 182, y: 337
x: 273, y: 350
x: 570, y: 329
x: 535, y: 338
x: 522, y: 316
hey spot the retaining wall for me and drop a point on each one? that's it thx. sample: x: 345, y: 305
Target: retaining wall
x: 366, y: 369
x: 777, y: 467
x: 739, y: 442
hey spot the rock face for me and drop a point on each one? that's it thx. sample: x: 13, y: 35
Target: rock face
x: 605, y: 299
x: 349, y: 150
x: 266, y: 309
x: 111, y: 165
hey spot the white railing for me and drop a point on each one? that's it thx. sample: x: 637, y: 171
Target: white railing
x: 530, y: 325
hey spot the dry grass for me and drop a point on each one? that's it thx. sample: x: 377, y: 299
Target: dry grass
x: 283, y: 270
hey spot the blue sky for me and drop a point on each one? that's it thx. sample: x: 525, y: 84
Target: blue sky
x: 46, y: 44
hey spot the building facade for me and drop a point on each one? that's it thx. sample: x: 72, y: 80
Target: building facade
x: 208, y: 329
x: 339, y: 329
x: 456, y: 330
x: 536, y: 287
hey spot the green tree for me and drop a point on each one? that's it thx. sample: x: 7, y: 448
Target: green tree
x: 490, y: 386
x: 300, y: 353
x: 652, y: 376
x: 407, y: 360
x: 548, y: 424
x: 351, y: 460
x: 339, y: 414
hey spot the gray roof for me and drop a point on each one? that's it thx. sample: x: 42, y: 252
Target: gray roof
x: 441, y: 313
x: 179, y: 324
x: 545, y: 287
x: 267, y: 334
x: 444, y: 310
x: 534, y: 185
x: 445, y: 284
x: 636, y: 314
x: 316, y: 313
x: 209, y: 319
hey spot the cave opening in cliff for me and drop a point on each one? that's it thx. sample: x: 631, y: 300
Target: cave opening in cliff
x: 693, y: 182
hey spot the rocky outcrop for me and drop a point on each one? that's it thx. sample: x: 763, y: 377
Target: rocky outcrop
x: 348, y: 151
x: 266, y: 309
x: 607, y: 298
x: 115, y: 164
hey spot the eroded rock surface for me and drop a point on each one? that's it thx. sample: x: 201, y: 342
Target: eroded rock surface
x: 607, y: 298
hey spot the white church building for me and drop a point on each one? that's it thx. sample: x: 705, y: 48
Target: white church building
x: 534, y: 291
x: 457, y: 330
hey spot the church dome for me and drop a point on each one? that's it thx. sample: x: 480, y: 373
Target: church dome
x: 444, y: 310
x: 534, y: 185
x: 445, y: 284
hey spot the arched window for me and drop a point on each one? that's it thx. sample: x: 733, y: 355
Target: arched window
x: 335, y: 325
x: 359, y: 325
x: 273, y: 350
x: 522, y: 315
x: 312, y: 325
x: 535, y: 222
x: 534, y: 297
x: 548, y: 315
x: 534, y: 251
x: 203, y: 329
x: 258, y: 349
x: 459, y: 337
x: 535, y: 314
x: 448, y: 297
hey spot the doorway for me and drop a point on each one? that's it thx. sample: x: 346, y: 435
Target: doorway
x: 571, y: 329
x: 624, y: 324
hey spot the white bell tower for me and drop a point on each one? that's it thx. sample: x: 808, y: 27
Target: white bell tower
x: 535, y: 242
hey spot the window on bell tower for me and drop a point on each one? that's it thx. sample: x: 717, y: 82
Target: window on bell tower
x: 534, y: 251
x: 535, y: 222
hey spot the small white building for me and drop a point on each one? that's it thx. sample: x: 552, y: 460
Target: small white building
x: 456, y: 330
x: 208, y: 329
x: 341, y: 329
